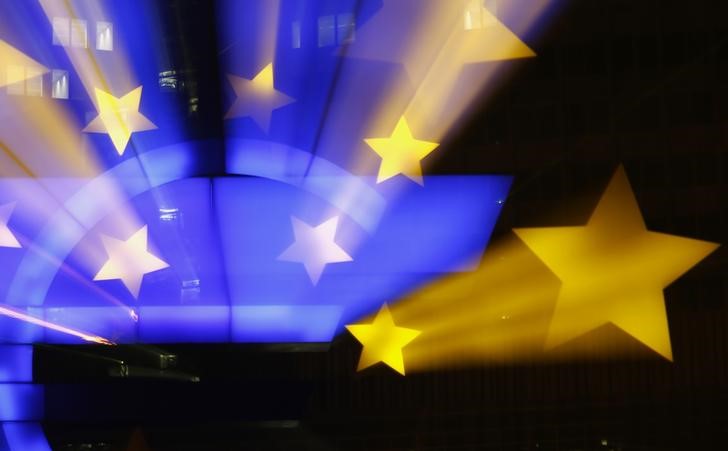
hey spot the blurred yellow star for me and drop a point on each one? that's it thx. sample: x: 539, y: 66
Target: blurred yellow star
x: 382, y: 341
x: 119, y: 117
x: 129, y: 260
x: 613, y: 270
x: 401, y: 153
x: 16, y: 66
x: 257, y: 98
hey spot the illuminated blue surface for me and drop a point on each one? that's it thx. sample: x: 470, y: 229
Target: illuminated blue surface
x: 23, y: 437
x: 16, y: 363
x: 427, y: 232
x: 21, y: 402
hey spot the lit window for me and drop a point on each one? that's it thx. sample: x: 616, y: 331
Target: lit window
x: 337, y: 29
x: 24, y: 81
x: 345, y: 26
x: 296, y: 35
x: 79, y: 34
x: 104, y: 36
x: 61, y: 31
x: 59, y: 84
x: 480, y: 14
x: 168, y: 80
x: 326, y: 31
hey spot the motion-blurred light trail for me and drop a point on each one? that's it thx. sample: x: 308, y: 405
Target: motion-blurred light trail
x: 498, y: 313
x: 16, y: 67
x: 12, y: 313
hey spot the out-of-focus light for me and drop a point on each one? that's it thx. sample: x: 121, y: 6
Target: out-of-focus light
x: 119, y: 117
x: 11, y: 59
x: 401, y: 153
x: 168, y: 214
x: 257, y: 98
x: 12, y: 313
x: 382, y: 341
x: 129, y: 261
x: 613, y: 270
x: 315, y: 247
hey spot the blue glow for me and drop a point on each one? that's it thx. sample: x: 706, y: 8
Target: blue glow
x: 184, y: 324
x: 21, y: 402
x: 24, y: 437
x: 285, y: 323
x: 222, y: 238
x: 16, y: 363
x: 310, y: 173
x: 114, y: 323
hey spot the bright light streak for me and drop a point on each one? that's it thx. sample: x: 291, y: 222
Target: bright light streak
x: 557, y: 292
x: 12, y: 313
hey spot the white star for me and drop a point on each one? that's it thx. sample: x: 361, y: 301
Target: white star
x: 129, y: 260
x: 7, y: 239
x: 315, y: 247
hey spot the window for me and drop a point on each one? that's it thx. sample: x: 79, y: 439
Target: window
x: 69, y: 32
x: 61, y: 31
x: 168, y: 80
x: 326, y: 31
x: 480, y: 14
x: 296, y: 35
x: 345, y: 26
x: 24, y: 81
x: 333, y: 30
x: 104, y: 36
x: 59, y: 84
x: 79, y: 35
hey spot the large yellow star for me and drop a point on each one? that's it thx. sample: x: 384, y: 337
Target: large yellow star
x: 129, y: 260
x: 613, y: 270
x: 382, y: 341
x: 401, y: 153
x: 119, y: 117
x: 257, y: 98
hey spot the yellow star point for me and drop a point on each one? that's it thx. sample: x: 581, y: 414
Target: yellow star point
x: 257, y: 98
x: 119, y: 117
x: 613, y: 270
x: 16, y: 67
x: 401, y: 153
x: 129, y: 261
x: 382, y: 341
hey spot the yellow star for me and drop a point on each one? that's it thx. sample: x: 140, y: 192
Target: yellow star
x: 382, y: 341
x: 129, y: 260
x: 613, y: 270
x: 401, y: 153
x: 257, y: 98
x: 119, y: 117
